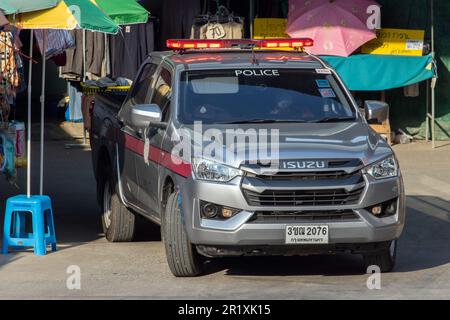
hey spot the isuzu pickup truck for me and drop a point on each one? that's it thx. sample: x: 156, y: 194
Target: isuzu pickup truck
x: 242, y: 148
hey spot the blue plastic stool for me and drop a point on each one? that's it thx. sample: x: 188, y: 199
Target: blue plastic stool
x: 14, y: 233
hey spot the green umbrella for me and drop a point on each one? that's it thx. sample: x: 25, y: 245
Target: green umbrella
x: 123, y: 11
x: 16, y: 6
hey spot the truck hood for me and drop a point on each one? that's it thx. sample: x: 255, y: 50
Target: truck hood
x: 304, y: 141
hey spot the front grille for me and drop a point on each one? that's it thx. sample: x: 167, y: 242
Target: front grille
x: 313, y: 198
x: 311, y: 176
x: 292, y: 216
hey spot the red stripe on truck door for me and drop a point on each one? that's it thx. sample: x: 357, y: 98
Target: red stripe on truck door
x: 159, y: 156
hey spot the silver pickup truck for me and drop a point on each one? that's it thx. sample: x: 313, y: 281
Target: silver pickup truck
x: 236, y: 151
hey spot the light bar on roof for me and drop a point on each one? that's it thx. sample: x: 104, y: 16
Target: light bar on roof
x: 195, y: 44
x: 184, y: 44
x: 287, y: 43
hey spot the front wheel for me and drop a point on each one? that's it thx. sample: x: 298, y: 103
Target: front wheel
x: 182, y: 257
x: 385, y: 259
x: 118, y: 222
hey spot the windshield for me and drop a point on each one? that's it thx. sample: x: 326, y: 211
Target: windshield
x: 261, y: 95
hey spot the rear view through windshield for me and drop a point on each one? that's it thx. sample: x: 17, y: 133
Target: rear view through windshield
x: 261, y: 95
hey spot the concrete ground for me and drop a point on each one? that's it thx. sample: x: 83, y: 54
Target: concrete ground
x: 139, y: 269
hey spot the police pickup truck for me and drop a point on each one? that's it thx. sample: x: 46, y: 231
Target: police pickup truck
x: 243, y: 148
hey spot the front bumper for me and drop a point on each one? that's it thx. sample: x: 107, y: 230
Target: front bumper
x: 240, y: 230
x: 300, y: 250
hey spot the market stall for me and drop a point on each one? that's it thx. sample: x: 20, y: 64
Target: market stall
x: 66, y: 15
x: 50, y: 31
x: 349, y: 36
x: 14, y: 153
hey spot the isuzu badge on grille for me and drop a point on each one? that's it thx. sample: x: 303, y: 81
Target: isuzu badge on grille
x: 303, y: 165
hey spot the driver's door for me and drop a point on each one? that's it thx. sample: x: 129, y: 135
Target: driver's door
x: 130, y: 137
x: 148, y: 171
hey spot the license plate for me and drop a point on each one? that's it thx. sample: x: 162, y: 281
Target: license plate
x: 318, y: 234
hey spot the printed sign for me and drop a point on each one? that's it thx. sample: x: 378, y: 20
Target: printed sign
x: 323, y: 83
x: 397, y: 42
x: 215, y: 31
x: 327, y: 93
x: 257, y: 73
x: 323, y: 71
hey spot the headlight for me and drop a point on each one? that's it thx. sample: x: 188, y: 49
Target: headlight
x: 386, y: 168
x: 213, y: 171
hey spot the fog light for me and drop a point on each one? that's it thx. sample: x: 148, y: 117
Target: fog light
x: 210, y: 210
x: 385, y: 209
x: 376, y: 211
x: 227, y: 213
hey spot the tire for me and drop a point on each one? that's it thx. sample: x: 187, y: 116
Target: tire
x: 384, y: 259
x: 118, y: 222
x: 182, y: 256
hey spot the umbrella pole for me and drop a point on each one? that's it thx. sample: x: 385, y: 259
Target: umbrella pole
x: 84, y: 77
x: 41, y: 177
x: 30, y: 72
x: 433, y: 84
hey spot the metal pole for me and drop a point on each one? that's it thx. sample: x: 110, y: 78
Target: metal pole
x: 84, y: 77
x: 433, y: 83
x: 252, y: 16
x: 41, y: 176
x: 30, y: 72
x: 427, y: 119
x: 84, y: 55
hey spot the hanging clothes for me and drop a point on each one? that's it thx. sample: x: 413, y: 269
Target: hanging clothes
x: 8, y: 67
x: 95, y: 54
x: 73, y: 70
x: 178, y: 17
x: 130, y: 48
x: 228, y: 30
x: 56, y: 43
x: 222, y: 25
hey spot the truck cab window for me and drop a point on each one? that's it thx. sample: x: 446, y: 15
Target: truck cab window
x: 140, y: 92
x: 163, y: 93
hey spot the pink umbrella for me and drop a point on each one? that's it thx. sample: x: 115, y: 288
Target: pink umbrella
x: 338, y: 27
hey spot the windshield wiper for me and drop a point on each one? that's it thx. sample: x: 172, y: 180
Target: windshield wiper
x: 335, y: 119
x: 264, y: 121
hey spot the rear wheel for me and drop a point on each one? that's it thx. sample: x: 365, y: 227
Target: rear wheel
x: 118, y: 222
x: 182, y: 256
x: 385, y: 259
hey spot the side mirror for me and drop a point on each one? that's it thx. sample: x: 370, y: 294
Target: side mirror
x: 144, y: 114
x: 376, y: 110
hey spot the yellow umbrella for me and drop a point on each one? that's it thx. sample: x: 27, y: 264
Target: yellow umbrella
x: 58, y: 17
x: 68, y: 15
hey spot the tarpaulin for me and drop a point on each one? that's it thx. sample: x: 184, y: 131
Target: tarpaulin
x: 370, y: 72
